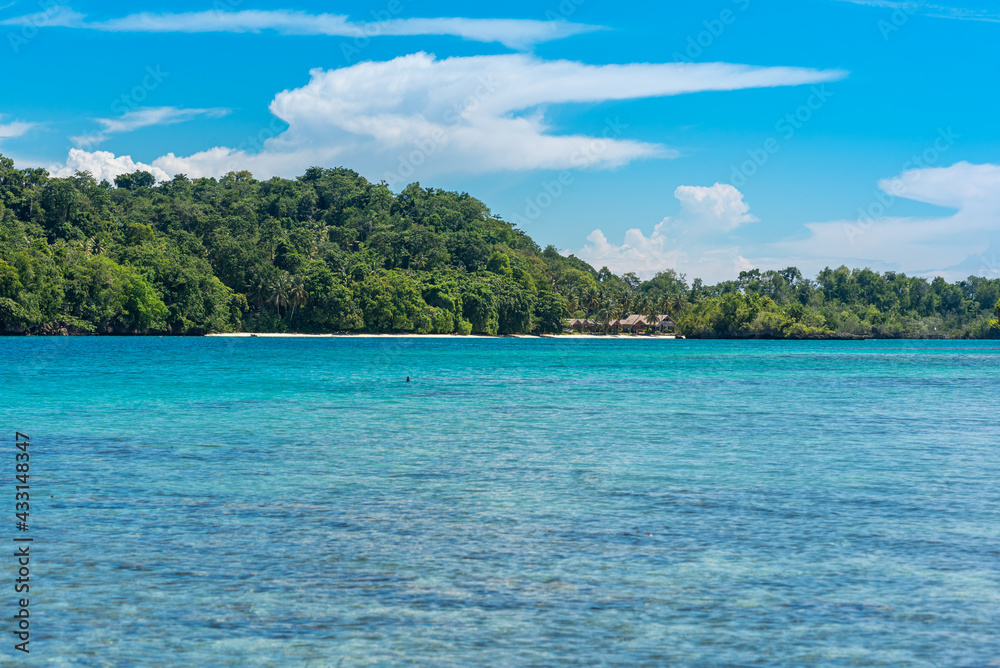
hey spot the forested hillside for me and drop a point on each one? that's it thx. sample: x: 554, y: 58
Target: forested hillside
x: 331, y: 252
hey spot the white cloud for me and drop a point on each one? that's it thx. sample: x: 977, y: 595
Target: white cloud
x: 698, y: 241
x: 104, y: 166
x: 144, y: 117
x: 948, y: 245
x: 14, y: 129
x: 418, y: 117
x: 912, y: 7
x: 695, y: 242
x: 56, y: 16
x: 514, y: 33
x: 720, y: 207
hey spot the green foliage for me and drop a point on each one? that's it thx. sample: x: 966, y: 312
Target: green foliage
x: 113, y: 297
x: 499, y: 263
x: 135, y: 180
x: 331, y: 252
x: 550, y: 311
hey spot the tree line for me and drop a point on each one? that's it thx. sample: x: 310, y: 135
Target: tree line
x: 331, y: 252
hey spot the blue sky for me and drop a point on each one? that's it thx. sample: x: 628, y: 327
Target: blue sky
x: 707, y: 137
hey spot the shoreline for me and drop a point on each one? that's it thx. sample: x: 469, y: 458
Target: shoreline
x: 558, y: 337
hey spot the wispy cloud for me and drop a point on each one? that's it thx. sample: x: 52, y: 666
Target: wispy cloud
x: 143, y: 118
x: 514, y: 33
x: 14, y: 129
x: 933, y: 10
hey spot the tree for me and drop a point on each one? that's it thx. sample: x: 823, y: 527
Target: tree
x: 135, y: 180
x: 610, y: 311
x: 652, y: 312
x: 592, y: 301
x: 550, y: 311
x: 297, y: 294
x: 332, y: 306
x: 332, y: 252
x: 280, y: 291
x: 499, y: 263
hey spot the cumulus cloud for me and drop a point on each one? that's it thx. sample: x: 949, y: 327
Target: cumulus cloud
x: 418, y: 117
x: 696, y: 242
x: 955, y: 245
x: 719, y: 208
x: 513, y: 33
x: 144, y: 117
x: 104, y: 166
x: 699, y: 241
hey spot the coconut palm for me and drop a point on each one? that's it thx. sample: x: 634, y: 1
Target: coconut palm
x: 651, y: 310
x: 280, y: 291
x: 592, y: 301
x: 672, y: 305
x: 608, y: 311
x: 297, y: 295
x: 676, y: 305
x: 258, y: 291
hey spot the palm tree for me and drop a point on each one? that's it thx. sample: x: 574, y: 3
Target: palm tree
x: 297, y: 294
x: 280, y: 291
x: 612, y: 311
x: 575, y: 302
x: 259, y: 291
x: 671, y: 305
x: 592, y: 301
x: 676, y: 305
x: 651, y: 311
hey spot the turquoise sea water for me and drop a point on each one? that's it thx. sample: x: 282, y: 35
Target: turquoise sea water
x: 278, y: 502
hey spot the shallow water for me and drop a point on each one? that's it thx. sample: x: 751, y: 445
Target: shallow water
x: 520, y: 503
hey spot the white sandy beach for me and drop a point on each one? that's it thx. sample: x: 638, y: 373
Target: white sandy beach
x: 561, y: 337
